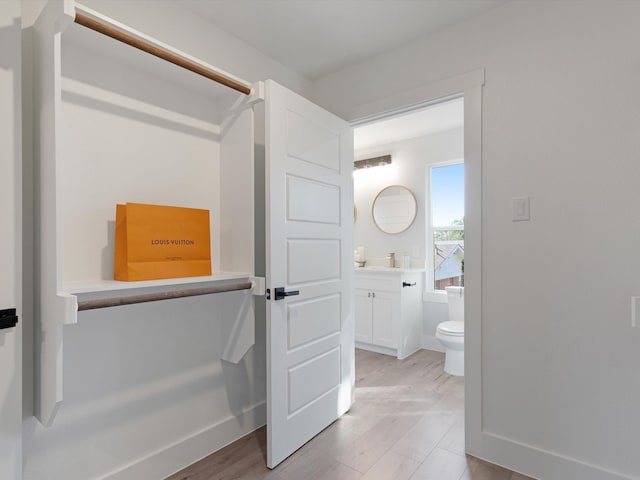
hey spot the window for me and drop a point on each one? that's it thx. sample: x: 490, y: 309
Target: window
x: 445, y: 235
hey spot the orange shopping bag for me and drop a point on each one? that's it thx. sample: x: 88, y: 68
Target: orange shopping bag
x: 157, y: 241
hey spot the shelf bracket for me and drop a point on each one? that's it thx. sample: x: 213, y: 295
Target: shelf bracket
x: 258, y: 286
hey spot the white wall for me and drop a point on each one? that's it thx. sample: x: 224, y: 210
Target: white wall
x: 560, y: 125
x: 410, y: 163
x: 10, y: 242
x: 145, y: 391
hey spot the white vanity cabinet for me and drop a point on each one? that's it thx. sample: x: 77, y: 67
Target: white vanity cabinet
x: 388, y: 310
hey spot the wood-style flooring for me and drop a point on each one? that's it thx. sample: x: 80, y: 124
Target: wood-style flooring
x: 407, y: 423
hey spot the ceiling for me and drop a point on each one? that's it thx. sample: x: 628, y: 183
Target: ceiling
x: 426, y: 121
x: 318, y: 37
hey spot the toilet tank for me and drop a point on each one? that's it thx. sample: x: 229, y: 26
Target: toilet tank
x: 455, y: 298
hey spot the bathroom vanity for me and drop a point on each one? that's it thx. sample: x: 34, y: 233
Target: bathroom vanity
x: 388, y: 310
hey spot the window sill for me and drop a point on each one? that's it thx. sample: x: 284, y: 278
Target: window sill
x: 434, y: 296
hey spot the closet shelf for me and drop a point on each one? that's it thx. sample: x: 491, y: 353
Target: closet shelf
x: 86, y: 289
x: 79, y: 292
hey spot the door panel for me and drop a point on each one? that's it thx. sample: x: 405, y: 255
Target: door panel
x: 325, y: 371
x: 313, y: 319
x: 313, y: 260
x: 310, y: 346
x: 311, y: 201
x: 312, y: 142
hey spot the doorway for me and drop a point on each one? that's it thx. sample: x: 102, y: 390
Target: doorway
x: 413, y: 144
x: 424, y: 155
x: 469, y: 87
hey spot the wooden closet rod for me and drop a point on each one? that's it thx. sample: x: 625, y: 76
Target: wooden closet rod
x: 152, y: 297
x: 97, y: 26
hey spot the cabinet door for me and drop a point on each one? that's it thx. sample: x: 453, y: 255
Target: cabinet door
x: 385, y: 319
x: 362, y: 309
x: 410, y: 331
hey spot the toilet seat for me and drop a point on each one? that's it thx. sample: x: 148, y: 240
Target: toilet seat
x: 452, y: 328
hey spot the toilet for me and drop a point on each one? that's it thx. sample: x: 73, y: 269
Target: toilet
x: 451, y: 333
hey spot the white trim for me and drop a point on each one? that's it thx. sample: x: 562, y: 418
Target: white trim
x: 377, y: 349
x: 416, y: 98
x: 173, y: 458
x: 474, y: 439
x: 366, y: 120
x: 447, y: 163
x: 429, y: 342
x: 540, y: 463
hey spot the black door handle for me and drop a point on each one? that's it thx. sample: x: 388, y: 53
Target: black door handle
x: 8, y: 318
x: 407, y: 284
x: 280, y: 293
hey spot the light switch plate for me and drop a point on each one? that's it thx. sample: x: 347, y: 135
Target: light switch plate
x: 520, y: 209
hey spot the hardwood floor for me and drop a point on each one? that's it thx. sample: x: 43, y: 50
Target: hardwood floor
x: 407, y: 423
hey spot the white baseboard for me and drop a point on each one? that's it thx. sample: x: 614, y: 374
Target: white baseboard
x: 170, y: 459
x: 538, y: 463
x: 377, y: 349
x: 432, y: 343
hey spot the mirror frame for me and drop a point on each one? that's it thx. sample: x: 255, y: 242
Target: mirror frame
x: 415, y: 213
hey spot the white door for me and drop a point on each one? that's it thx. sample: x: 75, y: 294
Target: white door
x: 310, y: 346
x: 10, y: 251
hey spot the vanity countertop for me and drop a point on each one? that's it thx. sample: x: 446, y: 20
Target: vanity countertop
x: 388, y: 270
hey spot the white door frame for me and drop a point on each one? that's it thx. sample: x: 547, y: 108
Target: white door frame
x: 469, y: 86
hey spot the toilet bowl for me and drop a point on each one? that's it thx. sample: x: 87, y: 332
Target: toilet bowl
x: 451, y: 333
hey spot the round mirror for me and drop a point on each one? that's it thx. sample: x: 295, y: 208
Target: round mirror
x: 394, y: 209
